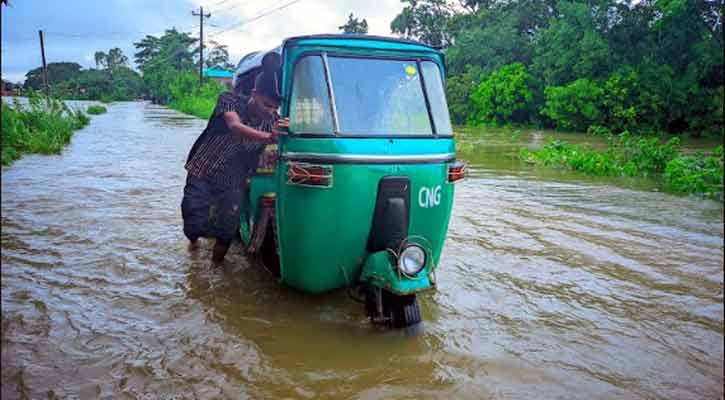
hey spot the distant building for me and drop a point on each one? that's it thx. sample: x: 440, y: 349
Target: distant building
x: 220, y: 75
x: 8, y: 88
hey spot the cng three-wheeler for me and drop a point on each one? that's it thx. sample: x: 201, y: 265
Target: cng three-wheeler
x: 358, y: 193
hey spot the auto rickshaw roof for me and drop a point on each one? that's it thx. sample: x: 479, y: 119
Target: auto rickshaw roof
x: 253, y: 60
x: 357, y: 40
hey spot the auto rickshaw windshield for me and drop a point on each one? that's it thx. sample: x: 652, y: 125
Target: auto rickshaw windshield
x: 372, y: 96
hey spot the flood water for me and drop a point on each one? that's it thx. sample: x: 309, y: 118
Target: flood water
x: 551, y: 285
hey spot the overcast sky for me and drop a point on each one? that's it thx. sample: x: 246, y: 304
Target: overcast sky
x: 75, y: 29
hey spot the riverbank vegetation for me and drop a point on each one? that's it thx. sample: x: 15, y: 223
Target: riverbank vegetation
x: 641, y: 66
x: 662, y: 159
x: 43, y: 126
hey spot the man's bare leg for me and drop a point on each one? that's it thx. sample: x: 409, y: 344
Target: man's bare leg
x: 193, y: 244
x: 220, y: 250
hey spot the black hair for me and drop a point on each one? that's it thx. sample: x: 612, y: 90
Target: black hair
x: 267, y: 81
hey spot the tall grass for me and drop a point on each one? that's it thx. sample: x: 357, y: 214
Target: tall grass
x: 42, y: 126
x: 190, y: 98
x: 198, y: 106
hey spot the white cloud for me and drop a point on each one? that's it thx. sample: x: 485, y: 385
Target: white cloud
x: 78, y: 28
x: 304, y: 17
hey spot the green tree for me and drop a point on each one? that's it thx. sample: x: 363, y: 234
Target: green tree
x: 100, y: 59
x: 570, y: 47
x: 499, y: 30
x: 504, y: 95
x: 354, y: 26
x: 424, y: 20
x: 218, y: 57
x: 575, y: 106
x: 57, y: 73
x: 162, y: 59
x: 116, y: 59
x: 458, y: 93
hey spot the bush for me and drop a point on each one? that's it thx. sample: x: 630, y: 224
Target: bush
x: 637, y: 156
x: 697, y: 174
x: 621, y: 100
x: 643, y: 156
x: 95, y: 110
x: 577, y: 158
x: 504, y: 95
x: 575, y: 106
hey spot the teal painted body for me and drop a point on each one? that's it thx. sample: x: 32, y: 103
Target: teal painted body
x: 379, y: 270
x: 322, y: 232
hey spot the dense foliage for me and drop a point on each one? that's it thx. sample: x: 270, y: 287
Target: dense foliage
x: 113, y: 80
x: 57, y: 72
x: 697, y: 174
x: 628, y: 155
x: 170, y: 66
x: 642, y: 66
x: 161, y: 60
x: 40, y: 127
x: 188, y: 97
x: 504, y: 95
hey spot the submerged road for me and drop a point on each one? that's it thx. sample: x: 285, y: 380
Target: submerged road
x: 548, y: 288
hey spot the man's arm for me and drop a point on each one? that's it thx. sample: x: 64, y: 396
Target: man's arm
x: 238, y: 128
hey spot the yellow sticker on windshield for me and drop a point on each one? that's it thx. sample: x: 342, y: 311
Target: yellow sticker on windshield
x: 410, y: 70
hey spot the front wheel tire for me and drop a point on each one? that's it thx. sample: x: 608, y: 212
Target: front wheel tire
x: 404, y: 311
x: 391, y: 310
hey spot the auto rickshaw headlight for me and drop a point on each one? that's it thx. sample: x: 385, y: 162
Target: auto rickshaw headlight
x: 412, y: 259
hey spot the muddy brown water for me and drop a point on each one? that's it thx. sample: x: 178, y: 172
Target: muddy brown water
x: 551, y: 285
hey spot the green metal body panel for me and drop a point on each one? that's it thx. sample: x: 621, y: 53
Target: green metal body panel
x: 323, y: 232
x: 379, y: 269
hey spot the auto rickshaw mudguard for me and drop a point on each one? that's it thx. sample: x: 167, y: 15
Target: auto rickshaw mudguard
x: 380, y: 270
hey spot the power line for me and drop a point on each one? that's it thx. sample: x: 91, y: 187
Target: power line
x: 224, y: 29
x: 258, y: 16
x: 228, y: 8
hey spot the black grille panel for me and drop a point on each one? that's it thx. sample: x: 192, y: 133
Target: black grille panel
x: 392, y: 211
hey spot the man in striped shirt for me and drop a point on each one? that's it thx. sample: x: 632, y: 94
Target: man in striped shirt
x: 223, y: 157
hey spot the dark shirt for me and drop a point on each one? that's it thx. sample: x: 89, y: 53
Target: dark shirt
x: 223, y: 157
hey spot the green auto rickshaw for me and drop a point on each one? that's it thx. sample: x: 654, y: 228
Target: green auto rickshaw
x: 358, y: 193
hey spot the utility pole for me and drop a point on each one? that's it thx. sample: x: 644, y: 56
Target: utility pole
x: 45, y: 68
x: 201, y: 41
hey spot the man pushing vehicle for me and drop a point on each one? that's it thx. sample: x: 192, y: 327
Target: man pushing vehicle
x: 224, y: 156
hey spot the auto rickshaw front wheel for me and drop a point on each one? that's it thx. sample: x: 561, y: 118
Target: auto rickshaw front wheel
x: 391, y: 310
